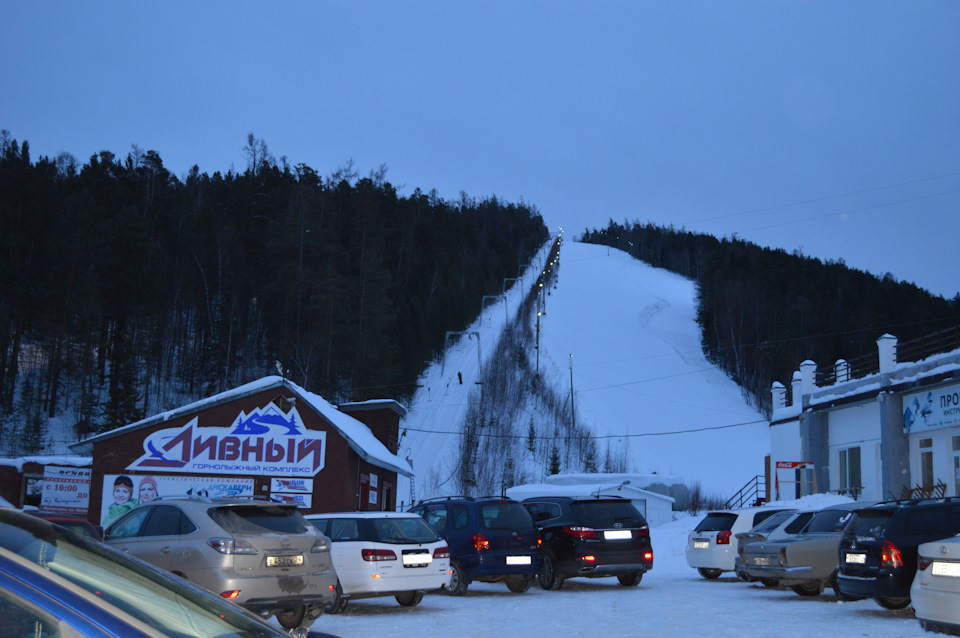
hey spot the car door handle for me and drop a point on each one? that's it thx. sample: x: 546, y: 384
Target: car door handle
x: 165, y: 550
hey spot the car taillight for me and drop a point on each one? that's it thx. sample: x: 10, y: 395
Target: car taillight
x: 643, y: 531
x: 229, y: 595
x: 783, y: 557
x: 890, y: 556
x: 723, y: 538
x: 923, y: 563
x: 441, y: 552
x: 648, y: 557
x: 587, y: 559
x: 231, y: 546
x: 377, y: 554
x: 581, y: 533
x: 480, y: 542
x: 321, y: 545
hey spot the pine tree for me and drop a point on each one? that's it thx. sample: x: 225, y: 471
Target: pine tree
x: 554, y: 466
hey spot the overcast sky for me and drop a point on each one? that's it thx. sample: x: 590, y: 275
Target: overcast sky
x: 829, y: 127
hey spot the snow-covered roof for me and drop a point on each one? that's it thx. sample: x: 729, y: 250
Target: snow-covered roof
x: 360, y: 438
x: 520, y: 492
x: 633, y: 479
x: 67, y: 460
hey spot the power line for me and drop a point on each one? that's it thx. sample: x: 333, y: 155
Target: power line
x: 605, y: 436
x: 825, y: 198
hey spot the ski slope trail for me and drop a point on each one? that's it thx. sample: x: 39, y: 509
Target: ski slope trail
x: 624, y: 336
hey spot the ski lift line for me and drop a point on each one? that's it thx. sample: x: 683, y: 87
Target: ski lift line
x: 855, y: 210
x: 757, y: 344
x: 660, y: 398
x: 669, y: 376
x: 825, y: 198
x: 525, y: 437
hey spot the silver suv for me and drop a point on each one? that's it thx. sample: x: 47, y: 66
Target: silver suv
x: 262, y: 555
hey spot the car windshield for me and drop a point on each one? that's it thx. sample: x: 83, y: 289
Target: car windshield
x: 505, y: 515
x: 871, y: 523
x: 717, y: 522
x: 257, y: 519
x: 773, y: 522
x: 829, y: 521
x: 143, y: 592
x: 607, y: 513
x: 402, y: 530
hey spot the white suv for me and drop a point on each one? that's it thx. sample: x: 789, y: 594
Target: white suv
x: 712, y: 545
x: 383, y: 554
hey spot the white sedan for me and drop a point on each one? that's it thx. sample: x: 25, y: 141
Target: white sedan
x: 383, y: 554
x: 936, y: 587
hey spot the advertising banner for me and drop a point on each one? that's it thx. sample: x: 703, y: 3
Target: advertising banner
x: 292, y: 490
x: 122, y: 492
x: 265, y: 442
x: 932, y: 409
x: 66, y: 490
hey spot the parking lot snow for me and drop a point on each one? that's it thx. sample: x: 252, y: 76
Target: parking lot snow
x: 672, y: 600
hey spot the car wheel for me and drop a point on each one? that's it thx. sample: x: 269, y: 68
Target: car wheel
x: 338, y: 604
x: 630, y: 580
x: 291, y: 618
x: 548, y: 577
x: 893, y: 603
x: 807, y: 589
x: 772, y: 583
x: 410, y: 598
x: 518, y: 584
x: 708, y: 573
x: 458, y: 581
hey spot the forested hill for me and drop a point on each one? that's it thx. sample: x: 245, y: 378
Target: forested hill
x: 764, y: 311
x: 125, y: 291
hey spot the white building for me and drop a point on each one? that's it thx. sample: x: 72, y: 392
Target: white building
x: 878, y: 428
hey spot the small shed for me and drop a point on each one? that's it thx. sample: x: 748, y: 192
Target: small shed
x: 268, y: 438
x: 656, y: 508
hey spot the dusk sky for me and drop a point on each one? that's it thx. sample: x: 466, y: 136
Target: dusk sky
x: 827, y: 127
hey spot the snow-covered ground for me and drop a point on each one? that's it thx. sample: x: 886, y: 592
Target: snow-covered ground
x: 672, y: 600
x: 640, y: 379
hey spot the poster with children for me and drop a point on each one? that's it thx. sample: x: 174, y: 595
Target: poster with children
x: 123, y: 492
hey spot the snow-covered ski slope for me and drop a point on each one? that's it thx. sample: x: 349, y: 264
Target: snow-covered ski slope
x: 640, y: 379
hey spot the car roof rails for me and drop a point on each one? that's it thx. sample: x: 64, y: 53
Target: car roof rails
x: 458, y: 497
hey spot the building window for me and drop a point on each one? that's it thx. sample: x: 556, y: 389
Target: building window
x: 926, y: 463
x: 850, y: 468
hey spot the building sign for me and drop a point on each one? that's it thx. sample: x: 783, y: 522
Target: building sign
x: 291, y: 486
x: 932, y: 409
x: 266, y: 441
x: 65, y: 490
x: 123, y: 492
x: 292, y: 490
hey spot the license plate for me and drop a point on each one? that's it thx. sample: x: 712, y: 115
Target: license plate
x: 285, y: 561
x: 761, y: 560
x: 518, y: 560
x: 945, y: 569
x: 617, y: 534
x: 417, y: 559
x: 701, y: 544
x: 856, y: 559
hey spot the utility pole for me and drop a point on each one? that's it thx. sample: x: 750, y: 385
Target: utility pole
x: 573, y: 415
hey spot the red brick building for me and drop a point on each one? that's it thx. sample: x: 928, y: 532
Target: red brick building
x: 268, y: 438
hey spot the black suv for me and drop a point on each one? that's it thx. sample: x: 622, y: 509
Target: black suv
x: 878, y: 553
x: 592, y: 537
x: 491, y: 539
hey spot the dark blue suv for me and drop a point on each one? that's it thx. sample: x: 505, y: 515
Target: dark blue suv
x: 491, y: 539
